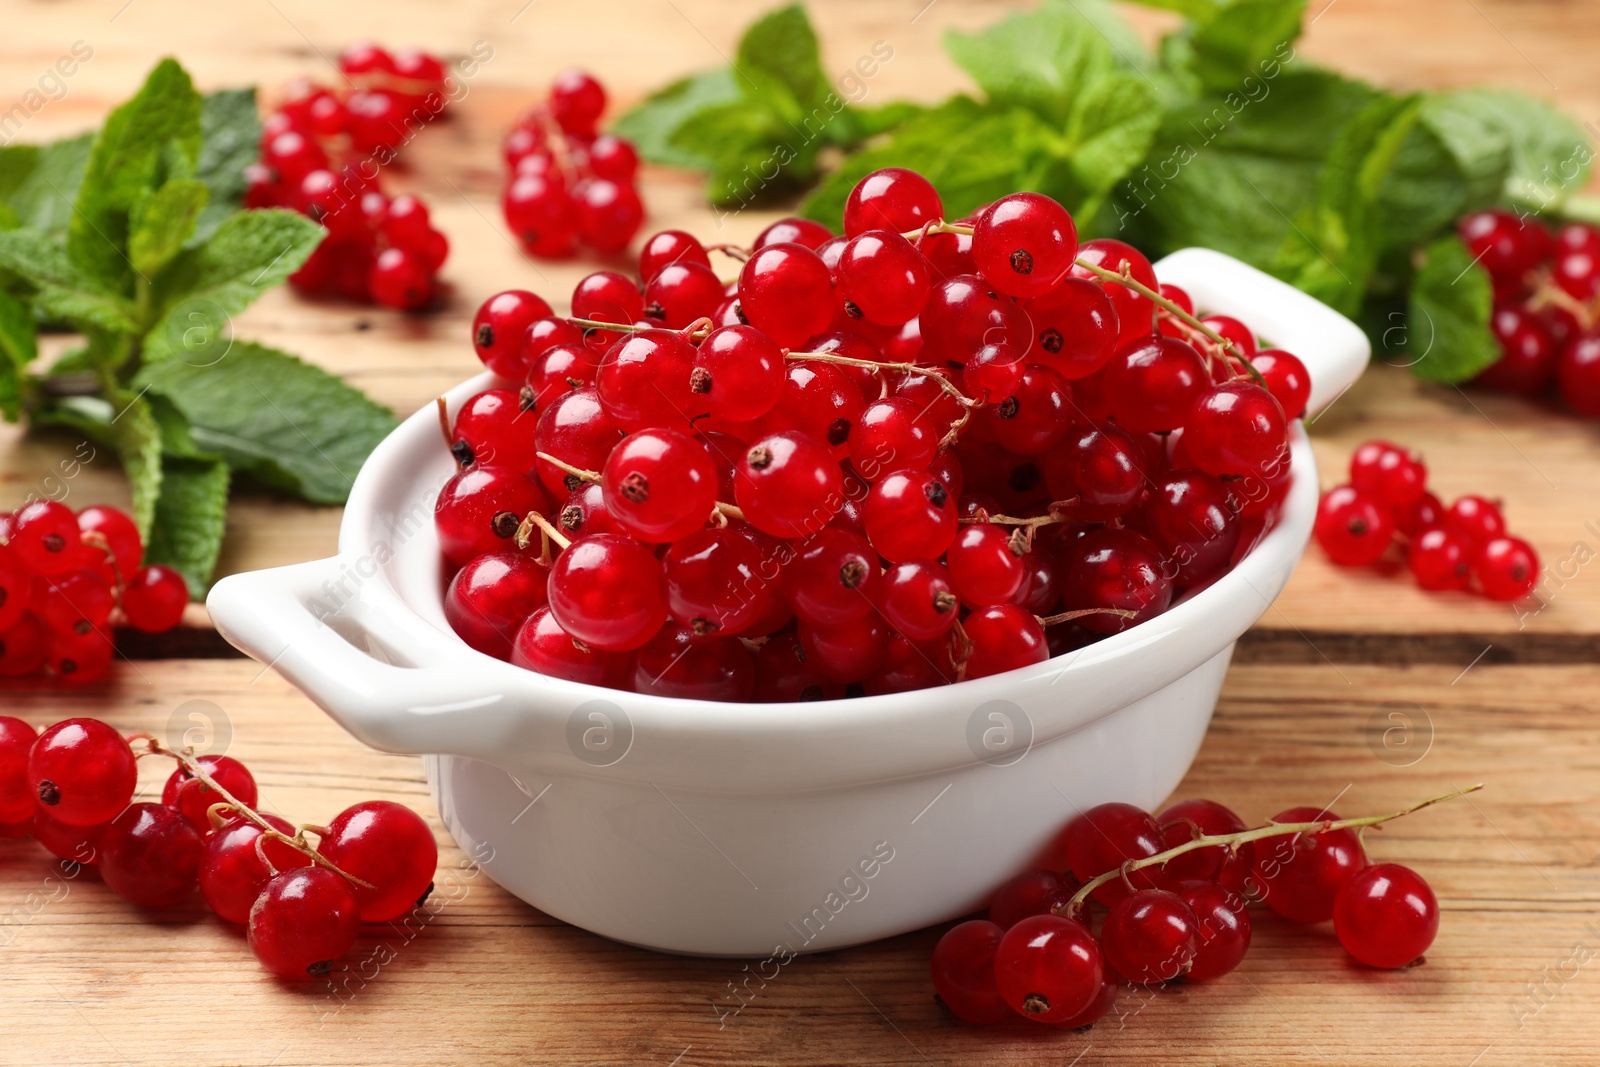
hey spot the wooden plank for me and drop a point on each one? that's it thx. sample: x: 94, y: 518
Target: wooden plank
x: 90, y: 980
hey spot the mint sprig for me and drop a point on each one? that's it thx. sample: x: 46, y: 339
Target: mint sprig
x: 1222, y: 138
x: 134, y: 238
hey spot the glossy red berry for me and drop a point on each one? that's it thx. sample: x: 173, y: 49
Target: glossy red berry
x: 682, y: 293
x: 1287, y: 379
x: 918, y: 600
x: 788, y: 485
x: 1224, y: 927
x: 964, y: 975
x: 1048, y: 968
x: 150, y: 855
x: 910, y: 515
x: 488, y: 600
x: 500, y: 326
x: 1029, y: 893
x: 577, y: 100
x: 659, y: 485
x: 670, y: 246
x: 883, y: 277
x: 115, y: 530
x: 303, y: 922
x: 388, y: 845
x: 154, y: 598
x: 1393, y: 476
x: 1152, y: 384
x: 17, y: 794
x: 892, y: 198
x: 542, y: 645
x: 1134, y: 311
x: 1117, y: 570
x: 480, y: 509
x: 608, y: 591
x: 716, y: 583
x: 1301, y: 874
x: 1004, y: 637
x: 1107, y: 836
x: 45, y: 537
x: 1352, y: 528
x: 847, y: 652
x: 1178, y: 822
x: 1024, y: 244
x: 193, y: 798
x: 644, y: 380
x: 607, y: 213
x: 1507, y: 568
x: 1440, y: 558
x: 1386, y: 916
x: 1075, y: 328
x: 1236, y: 429
x: 82, y: 772
x: 1476, y: 518
x: 1528, y: 354
x: 680, y: 665
x: 1150, y: 936
x: 833, y: 578
x: 541, y: 213
x: 986, y: 564
x: 1508, y: 247
x: 785, y: 291
x: 576, y: 430
x: 232, y: 873
x: 738, y: 373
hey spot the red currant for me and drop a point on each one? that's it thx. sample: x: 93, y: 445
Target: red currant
x: 150, y: 855
x: 304, y: 920
x: 1386, y: 916
x: 82, y: 772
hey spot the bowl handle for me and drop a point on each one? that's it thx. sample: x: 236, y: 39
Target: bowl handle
x: 1334, y: 349
x: 370, y: 663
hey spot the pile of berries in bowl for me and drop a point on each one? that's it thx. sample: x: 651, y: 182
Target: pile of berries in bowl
x: 1546, y: 304
x: 916, y: 453
x: 66, y: 579
x: 569, y: 183
x: 322, y: 153
x: 1387, y: 502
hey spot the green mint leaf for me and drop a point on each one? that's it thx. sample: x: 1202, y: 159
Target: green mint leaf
x: 63, y: 290
x: 230, y: 136
x: 1198, y: 10
x: 18, y: 348
x: 290, y: 425
x: 653, y: 125
x: 1229, y: 172
x: 1337, y: 240
x: 748, y: 157
x: 1480, y: 150
x: 1109, y: 131
x: 1234, y: 44
x: 248, y: 254
x: 1550, y: 154
x: 131, y: 156
x: 1040, y: 59
x: 161, y: 223
x: 1431, y: 186
x: 778, y: 63
x: 137, y: 437
x: 190, y: 519
x: 43, y: 198
x: 953, y: 146
x: 1448, y: 320
x: 17, y: 162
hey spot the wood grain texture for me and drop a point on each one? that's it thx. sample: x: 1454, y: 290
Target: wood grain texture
x: 1304, y: 718
x: 89, y: 980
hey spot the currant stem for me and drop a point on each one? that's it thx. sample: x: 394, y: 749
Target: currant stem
x: 879, y: 365
x: 298, y: 843
x: 1125, y: 278
x: 1272, y: 829
x: 1068, y: 616
x: 1011, y: 520
x: 443, y: 407
x: 577, y: 472
x: 535, y: 520
x: 937, y: 227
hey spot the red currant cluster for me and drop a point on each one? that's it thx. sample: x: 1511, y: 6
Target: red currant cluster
x: 71, y: 788
x: 887, y: 460
x: 321, y: 155
x: 63, y: 576
x: 1546, y: 305
x: 1387, y: 502
x: 570, y: 182
x: 1177, y: 887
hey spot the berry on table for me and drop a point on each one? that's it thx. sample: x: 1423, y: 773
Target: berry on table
x: 1386, y: 916
x: 303, y: 922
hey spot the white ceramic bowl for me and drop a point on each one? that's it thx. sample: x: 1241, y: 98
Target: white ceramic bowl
x: 762, y: 829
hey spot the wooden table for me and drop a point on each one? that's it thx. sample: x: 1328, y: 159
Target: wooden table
x: 1486, y: 694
